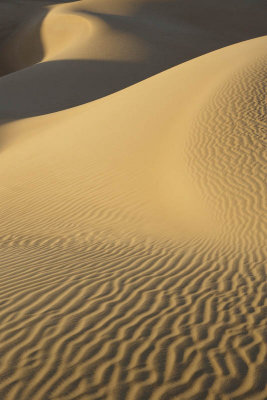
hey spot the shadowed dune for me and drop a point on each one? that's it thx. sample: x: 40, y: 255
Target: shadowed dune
x: 91, y: 49
x: 16, y: 17
x: 132, y: 227
x: 63, y: 88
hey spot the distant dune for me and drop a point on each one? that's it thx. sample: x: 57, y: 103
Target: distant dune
x: 133, y: 219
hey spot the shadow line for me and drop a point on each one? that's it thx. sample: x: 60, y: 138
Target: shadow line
x: 171, y: 32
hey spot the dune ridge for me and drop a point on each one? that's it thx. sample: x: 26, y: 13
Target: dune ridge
x: 85, y: 50
x: 132, y: 227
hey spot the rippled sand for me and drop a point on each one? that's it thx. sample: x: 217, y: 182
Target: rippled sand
x: 132, y: 201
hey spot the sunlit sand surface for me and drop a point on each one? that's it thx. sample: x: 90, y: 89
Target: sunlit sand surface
x: 133, y: 155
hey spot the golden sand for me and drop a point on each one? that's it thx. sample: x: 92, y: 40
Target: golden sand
x: 132, y: 201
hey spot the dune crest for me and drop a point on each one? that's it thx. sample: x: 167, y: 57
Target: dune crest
x: 132, y: 227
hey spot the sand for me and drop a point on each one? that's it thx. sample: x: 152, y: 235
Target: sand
x: 133, y: 154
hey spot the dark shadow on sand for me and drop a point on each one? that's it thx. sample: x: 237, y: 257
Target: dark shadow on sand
x: 172, y: 32
x: 54, y: 86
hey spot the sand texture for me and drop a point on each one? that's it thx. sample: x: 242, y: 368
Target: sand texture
x: 133, y: 200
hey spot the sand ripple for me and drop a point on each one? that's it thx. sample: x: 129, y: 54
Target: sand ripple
x: 132, y: 228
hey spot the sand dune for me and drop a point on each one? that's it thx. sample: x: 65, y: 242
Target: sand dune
x: 132, y: 226
x: 94, y: 48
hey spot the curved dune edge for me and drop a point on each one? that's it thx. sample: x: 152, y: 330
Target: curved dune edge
x: 131, y: 148
x: 131, y: 240
x: 65, y: 55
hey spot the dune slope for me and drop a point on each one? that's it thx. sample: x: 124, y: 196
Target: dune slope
x: 132, y: 230
x: 68, y: 54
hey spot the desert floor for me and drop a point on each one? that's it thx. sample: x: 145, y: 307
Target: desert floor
x: 132, y: 200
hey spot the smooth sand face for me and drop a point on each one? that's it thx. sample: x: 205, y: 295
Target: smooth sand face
x: 132, y: 226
